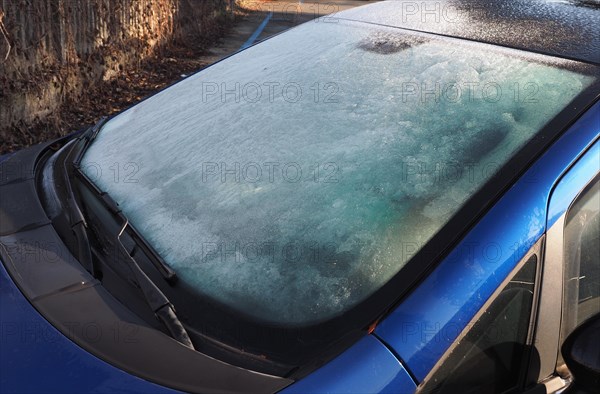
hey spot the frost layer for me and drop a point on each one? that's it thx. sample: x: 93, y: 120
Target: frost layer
x: 293, y: 207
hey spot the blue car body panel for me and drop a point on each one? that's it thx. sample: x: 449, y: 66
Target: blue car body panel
x: 367, y: 367
x: 36, y: 357
x: 424, y: 325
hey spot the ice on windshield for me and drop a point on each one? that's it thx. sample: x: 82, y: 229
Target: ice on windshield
x: 293, y: 179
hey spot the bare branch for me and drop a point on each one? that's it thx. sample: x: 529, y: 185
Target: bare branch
x: 5, y: 34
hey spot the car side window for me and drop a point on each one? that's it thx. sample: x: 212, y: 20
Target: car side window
x: 492, y: 356
x: 581, y: 298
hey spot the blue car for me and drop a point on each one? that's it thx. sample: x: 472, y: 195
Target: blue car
x: 400, y: 198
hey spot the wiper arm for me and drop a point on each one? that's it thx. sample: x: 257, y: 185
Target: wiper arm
x: 158, y: 302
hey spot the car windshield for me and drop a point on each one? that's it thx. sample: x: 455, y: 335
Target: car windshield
x: 292, y: 180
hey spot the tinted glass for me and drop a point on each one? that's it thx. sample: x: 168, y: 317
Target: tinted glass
x: 582, y: 259
x: 292, y: 180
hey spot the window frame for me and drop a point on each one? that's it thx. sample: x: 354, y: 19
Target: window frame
x: 574, y: 181
x: 582, y: 193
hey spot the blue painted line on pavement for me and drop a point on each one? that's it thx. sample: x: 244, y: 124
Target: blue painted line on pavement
x: 257, y: 32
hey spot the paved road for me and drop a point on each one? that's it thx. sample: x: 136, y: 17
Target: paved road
x: 287, y: 13
x: 267, y: 18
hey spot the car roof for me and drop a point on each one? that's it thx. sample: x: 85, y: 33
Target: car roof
x: 564, y: 28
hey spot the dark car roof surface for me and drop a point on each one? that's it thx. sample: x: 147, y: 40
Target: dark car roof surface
x: 563, y: 28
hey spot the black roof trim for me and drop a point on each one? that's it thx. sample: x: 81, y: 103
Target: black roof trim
x: 569, y: 29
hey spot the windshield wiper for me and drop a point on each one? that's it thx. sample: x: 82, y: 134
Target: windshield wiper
x: 154, y: 297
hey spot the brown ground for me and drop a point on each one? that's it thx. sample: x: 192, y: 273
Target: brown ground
x: 109, y: 97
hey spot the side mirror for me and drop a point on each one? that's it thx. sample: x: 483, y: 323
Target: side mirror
x: 581, y: 352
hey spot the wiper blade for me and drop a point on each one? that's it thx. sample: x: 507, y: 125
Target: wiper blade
x: 155, y: 298
x: 76, y: 217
